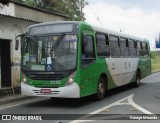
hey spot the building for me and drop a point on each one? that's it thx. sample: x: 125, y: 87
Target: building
x: 14, y: 20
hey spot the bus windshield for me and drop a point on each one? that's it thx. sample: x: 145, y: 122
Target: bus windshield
x: 49, y: 53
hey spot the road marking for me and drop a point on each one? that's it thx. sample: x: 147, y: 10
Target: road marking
x: 129, y: 100
x: 26, y: 101
x: 81, y: 121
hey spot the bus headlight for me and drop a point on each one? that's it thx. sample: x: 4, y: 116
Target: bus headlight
x: 24, y: 80
x: 70, y: 80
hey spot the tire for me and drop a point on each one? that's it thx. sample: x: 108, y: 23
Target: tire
x: 100, y: 89
x: 138, y: 77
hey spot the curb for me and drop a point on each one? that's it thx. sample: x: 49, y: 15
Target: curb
x: 11, y: 99
x: 155, y: 72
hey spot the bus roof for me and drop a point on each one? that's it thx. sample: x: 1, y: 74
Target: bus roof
x: 95, y: 28
x: 54, y: 22
x: 115, y: 33
x: 119, y: 34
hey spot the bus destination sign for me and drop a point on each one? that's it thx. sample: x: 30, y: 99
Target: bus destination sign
x: 50, y: 28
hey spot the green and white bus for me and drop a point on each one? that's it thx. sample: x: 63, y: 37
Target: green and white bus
x: 75, y: 59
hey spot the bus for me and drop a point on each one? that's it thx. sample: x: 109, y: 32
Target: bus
x: 71, y: 59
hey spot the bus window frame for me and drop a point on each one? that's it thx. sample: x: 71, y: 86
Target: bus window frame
x: 106, y: 45
x: 145, y: 50
x: 127, y: 46
x: 91, y: 60
x: 139, y: 48
x: 135, y: 47
x: 114, y: 47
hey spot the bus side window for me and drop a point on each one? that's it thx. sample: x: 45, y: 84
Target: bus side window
x: 114, y: 46
x: 145, y: 49
x: 124, y: 47
x: 102, y: 45
x: 139, y: 48
x: 88, y: 50
x: 132, y: 48
x: 148, y: 48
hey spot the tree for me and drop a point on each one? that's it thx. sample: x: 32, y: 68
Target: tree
x: 71, y: 8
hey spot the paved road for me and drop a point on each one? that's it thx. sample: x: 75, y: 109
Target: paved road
x: 142, y: 100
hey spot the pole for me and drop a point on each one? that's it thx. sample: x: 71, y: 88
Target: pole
x: 82, y: 5
x: 81, y: 8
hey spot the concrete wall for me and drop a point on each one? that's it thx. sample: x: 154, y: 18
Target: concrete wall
x: 7, y: 10
x: 23, y: 12
x: 35, y: 15
x: 9, y: 29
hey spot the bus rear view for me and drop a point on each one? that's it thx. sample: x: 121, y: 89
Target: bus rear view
x: 49, y: 60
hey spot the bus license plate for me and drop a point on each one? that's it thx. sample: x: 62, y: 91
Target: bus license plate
x: 45, y: 90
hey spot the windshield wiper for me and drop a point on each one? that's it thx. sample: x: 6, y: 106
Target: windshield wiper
x: 56, y: 45
x: 58, y: 41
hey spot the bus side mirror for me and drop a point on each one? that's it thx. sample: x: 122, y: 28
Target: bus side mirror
x: 17, y: 44
x: 17, y: 41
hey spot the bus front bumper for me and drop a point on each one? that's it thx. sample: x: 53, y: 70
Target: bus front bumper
x: 71, y: 91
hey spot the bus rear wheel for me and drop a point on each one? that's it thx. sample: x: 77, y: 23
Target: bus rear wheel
x: 100, y: 89
x: 137, y: 83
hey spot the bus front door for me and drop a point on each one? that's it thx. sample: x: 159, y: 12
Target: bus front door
x: 88, y: 64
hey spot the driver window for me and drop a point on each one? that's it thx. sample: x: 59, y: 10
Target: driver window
x: 88, y: 50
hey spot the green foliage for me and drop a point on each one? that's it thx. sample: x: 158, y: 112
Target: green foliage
x: 71, y: 8
x: 153, y: 54
x: 155, y: 61
x: 155, y: 64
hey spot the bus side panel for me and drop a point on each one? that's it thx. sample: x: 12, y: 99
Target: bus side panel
x: 122, y: 70
x: 145, y: 66
x: 133, y: 66
x: 91, y: 74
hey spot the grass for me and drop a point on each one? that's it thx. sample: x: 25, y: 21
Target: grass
x: 155, y: 64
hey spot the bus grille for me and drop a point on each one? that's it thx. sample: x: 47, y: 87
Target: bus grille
x: 46, y: 76
x: 37, y: 92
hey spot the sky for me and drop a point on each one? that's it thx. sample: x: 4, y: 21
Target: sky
x: 140, y: 18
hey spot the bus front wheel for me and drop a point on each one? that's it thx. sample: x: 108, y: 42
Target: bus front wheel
x: 100, y: 89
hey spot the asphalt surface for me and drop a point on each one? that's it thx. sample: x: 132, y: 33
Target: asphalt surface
x: 122, y: 103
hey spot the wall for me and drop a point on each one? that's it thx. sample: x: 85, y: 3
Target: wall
x: 31, y: 14
x: 9, y: 29
x: 7, y: 10
x: 35, y: 15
